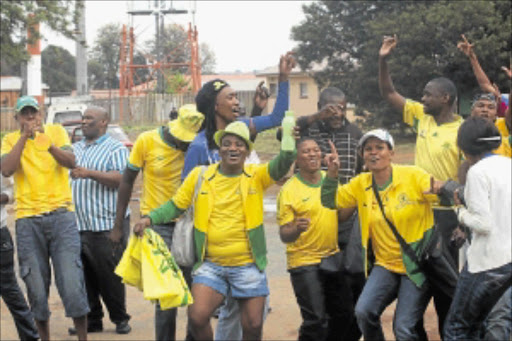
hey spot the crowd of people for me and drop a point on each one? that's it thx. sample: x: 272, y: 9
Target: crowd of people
x: 356, y: 225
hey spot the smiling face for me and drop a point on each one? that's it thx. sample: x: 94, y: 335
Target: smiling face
x: 233, y: 151
x: 485, y: 108
x: 377, y: 154
x: 309, y: 156
x: 227, y: 106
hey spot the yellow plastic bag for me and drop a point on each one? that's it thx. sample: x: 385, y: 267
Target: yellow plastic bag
x: 162, y: 278
x: 129, y: 267
x: 148, y: 265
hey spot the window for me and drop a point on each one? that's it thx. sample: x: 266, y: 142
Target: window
x: 303, y: 90
x: 273, y: 89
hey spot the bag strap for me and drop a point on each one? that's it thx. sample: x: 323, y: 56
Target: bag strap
x: 405, y: 247
x: 198, y: 183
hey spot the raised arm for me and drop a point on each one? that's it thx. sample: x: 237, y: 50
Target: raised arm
x: 261, y: 123
x: 260, y: 99
x: 483, y: 81
x: 386, y: 88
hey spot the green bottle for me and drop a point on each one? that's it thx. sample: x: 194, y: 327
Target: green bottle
x: 288, y: 141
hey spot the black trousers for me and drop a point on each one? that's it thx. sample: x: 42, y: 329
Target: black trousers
x: 99, y: 261
x: 446, y: 221
x: 11, y: 292
x: 324, y: 301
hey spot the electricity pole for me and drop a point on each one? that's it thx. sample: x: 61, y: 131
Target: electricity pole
x: 81, y: 51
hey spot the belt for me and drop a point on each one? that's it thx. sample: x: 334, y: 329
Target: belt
x: 58, y: 210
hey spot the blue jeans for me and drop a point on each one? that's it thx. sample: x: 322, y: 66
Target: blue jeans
x: 498, y: 324
x: 381, y: 288
x: 52, y: 236
x: 475, y: 296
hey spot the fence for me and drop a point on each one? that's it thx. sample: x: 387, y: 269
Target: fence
x: 149, y: 109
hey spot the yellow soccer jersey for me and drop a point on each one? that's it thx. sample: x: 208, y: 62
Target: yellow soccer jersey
x: 161, y: 165
x: 227, y: 241
x: 436, y: 145
x: 299, y: 198
x: 41, y: 184
x: 504, y: 149
x: 405, y: 204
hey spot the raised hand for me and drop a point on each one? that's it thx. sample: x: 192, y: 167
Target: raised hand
x: 388, y: 44
x: 332, y: 161
x: 286, y: 64
x: 507, y: 71
x: 261, y: 96
x: 465, y: 46
x: 330, y: 110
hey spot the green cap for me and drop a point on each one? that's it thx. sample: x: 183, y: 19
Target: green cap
x: 236, y: 128
x: 26, y: 101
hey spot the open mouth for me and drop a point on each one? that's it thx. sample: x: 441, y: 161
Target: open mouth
x: 233, y: 156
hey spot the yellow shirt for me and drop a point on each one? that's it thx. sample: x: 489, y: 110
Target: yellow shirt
x: 405, y: 204
x: 161, y: 166
x: 299, y: 198
x: 505, y: 148
x: 436, y: 145
x: 41, y: 184
x: 227, y: 242
x: 384, y: 244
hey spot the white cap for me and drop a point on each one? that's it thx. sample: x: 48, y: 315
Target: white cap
x: 381, y: 134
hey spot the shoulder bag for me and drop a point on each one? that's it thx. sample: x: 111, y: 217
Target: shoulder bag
x: 182, y: 245
x: 432, y: 261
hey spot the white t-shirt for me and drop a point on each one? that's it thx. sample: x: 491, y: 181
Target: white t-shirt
x: 488, y: 194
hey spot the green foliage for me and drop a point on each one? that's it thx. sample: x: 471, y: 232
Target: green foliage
x: 58, y: 69
x: 103, y: 65
x: 176, y: 83
x: 348, y: 35
x: 15, y: 17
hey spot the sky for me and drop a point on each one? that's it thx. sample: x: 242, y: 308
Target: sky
x: 244, y: 35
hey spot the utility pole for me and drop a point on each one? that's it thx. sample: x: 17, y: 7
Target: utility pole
x: 81, y: 51
x: 159, y: 10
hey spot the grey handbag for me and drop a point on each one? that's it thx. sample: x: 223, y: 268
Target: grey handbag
x: 183, y: 246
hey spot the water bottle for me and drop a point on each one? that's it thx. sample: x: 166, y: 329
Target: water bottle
x: 288, y: 141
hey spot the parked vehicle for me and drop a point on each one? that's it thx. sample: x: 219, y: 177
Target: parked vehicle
x: 113, y: 129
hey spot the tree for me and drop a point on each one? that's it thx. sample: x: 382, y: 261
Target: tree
x: 346, y: 35
x: 176, y: 49
x: 58, y: 69
x: 16, y: 16
x: 103, y: 62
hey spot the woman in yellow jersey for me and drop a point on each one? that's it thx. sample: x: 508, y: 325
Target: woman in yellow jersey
x: 228, y: 231
x: 404, y: 192
x: 310, y: 232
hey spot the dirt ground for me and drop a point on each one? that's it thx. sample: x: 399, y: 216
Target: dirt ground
x: 281, y: 324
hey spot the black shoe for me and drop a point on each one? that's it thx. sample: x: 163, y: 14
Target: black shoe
x: 91, y: 328
x: 123, y: 328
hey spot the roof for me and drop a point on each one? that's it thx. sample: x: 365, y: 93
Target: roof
x: 238, y: 81
x: 10, y: 83
x: 274, y: 70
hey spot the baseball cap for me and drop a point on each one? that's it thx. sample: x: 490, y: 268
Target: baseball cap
x: 26, y: 101
x: 188, y: 122
x: 381, y: 134
x: 236, y: 128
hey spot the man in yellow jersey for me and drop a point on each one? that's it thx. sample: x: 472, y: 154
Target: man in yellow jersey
x: 436, y: 145
x: 310, y: 232
x: 39, y: 158
x: 160, y: 154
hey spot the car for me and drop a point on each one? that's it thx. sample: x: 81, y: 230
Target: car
x: 113, y: 130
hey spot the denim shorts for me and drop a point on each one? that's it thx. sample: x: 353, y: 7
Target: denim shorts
x: 51, y: 236
x: 241, y: 281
